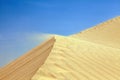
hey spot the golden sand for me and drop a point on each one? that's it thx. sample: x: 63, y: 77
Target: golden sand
x: 80, y: 60
x: 93, y: 54
x: 107, y: 33
x: 26, y: 66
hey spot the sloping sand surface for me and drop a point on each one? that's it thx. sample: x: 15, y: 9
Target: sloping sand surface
x: 26, y: 66
x: 75, y: 59
x: 107, y: 33
x: 93, y: 54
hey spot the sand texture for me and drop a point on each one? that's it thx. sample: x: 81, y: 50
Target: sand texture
x: 107, y: 33
x: 26, y: 66
x: 93, y: 54
x: 80, y: 60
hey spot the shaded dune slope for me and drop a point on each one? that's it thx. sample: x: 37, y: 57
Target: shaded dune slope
x: 93, y: 54
x: 26, y: 66
x: 80, y: 60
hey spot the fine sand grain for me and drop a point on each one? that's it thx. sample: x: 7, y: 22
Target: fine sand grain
x: 107, y: 33
x: 74, y: 59
x: 93, y: 54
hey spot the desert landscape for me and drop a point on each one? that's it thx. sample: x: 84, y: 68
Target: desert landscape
x: 92, y: 54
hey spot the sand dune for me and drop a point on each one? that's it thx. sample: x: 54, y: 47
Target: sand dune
x: 26, y: 66
x: 79, y: 59
x: 107, y: 33
x: 93, y: 54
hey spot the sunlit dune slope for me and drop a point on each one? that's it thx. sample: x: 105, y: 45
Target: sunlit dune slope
x: 107, y: 33
x: 93, y: 54
x: 75, y: 59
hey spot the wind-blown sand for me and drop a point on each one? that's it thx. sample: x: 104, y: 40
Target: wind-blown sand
x: 93, y: 54
x: 26, y: 66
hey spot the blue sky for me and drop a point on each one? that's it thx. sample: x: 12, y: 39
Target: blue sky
x: 25, y: 23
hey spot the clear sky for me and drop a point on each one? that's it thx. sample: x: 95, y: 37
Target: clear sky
x: 23, y: 23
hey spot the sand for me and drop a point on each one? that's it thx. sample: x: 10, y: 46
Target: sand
x: 80, y: 60
x: 93, y: 54
x: 107, y: 33
x: 26, y: 66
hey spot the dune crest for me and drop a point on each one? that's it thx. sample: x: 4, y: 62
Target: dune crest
x: 26, y: 66
x: 79, y: 59
x: 107, y: 33
x: 93, y: 54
